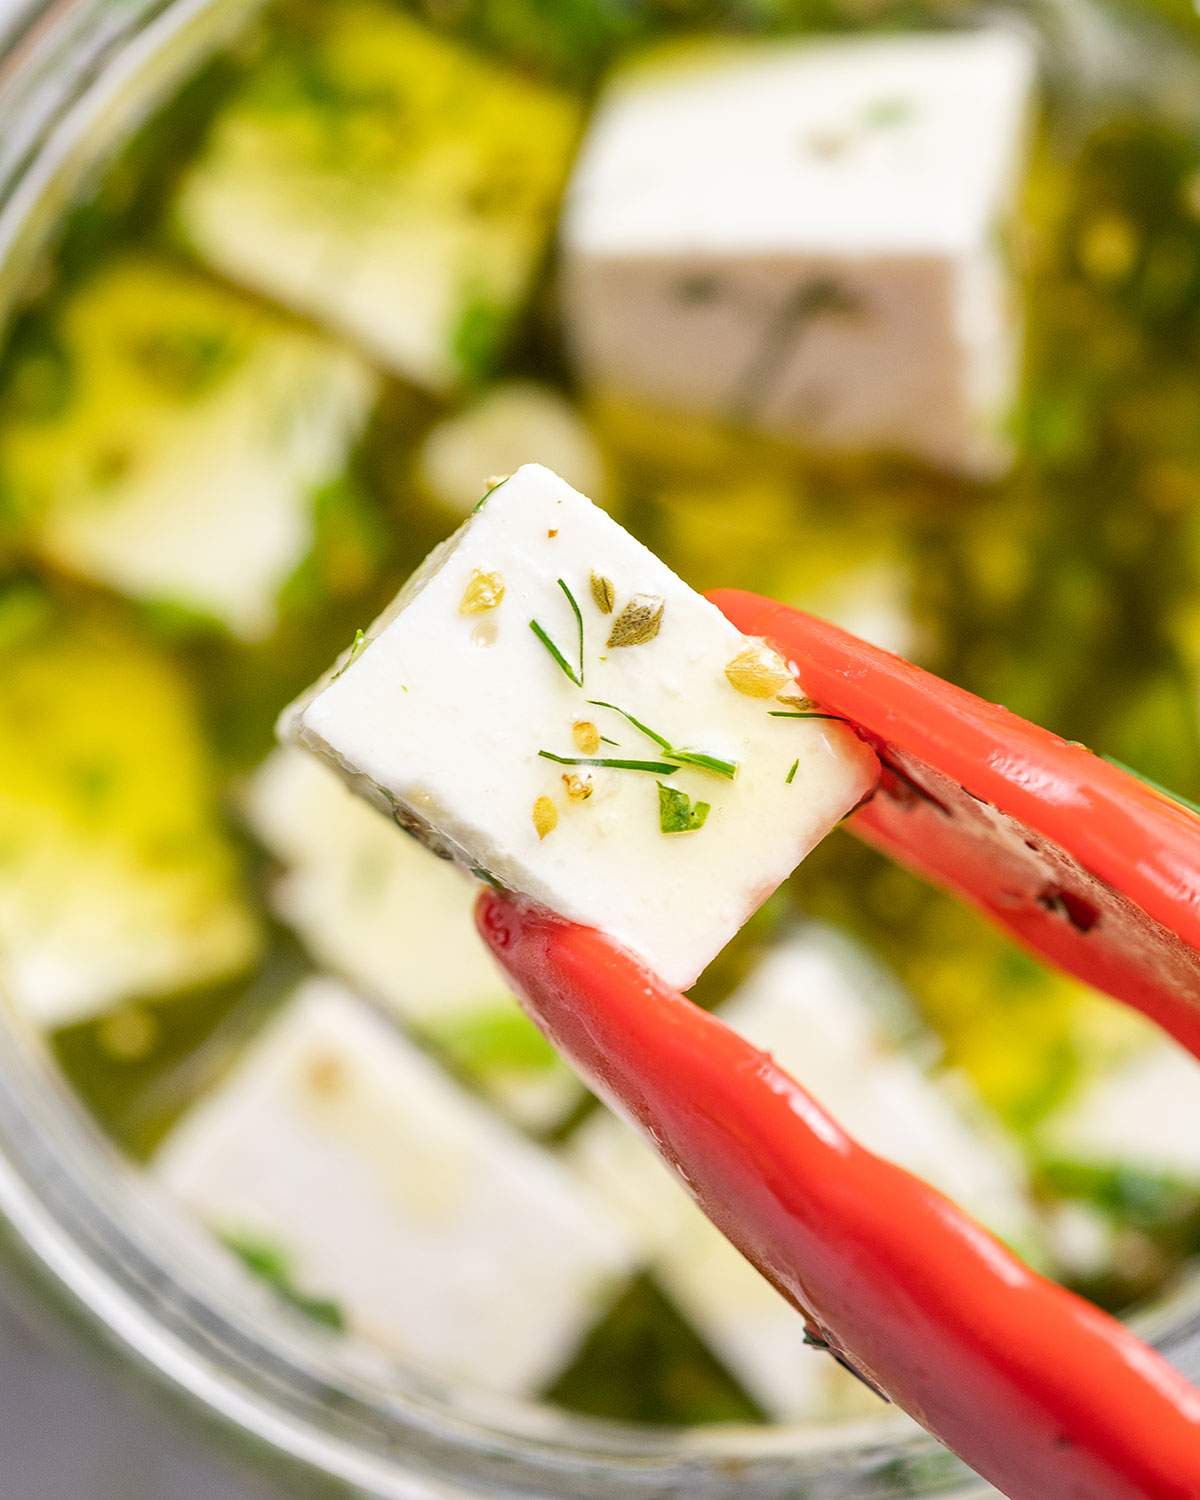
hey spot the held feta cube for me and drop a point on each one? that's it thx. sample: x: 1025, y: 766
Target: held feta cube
x: 443, y: 719
x: 170, y: 440
x: 398, y: 924
x: 440, y: 1234
x: 803, y: 237
x: 816, y: 1005
x: 387, y: 182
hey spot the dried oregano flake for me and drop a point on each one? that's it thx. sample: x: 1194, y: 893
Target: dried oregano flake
x: 603, y: 593
x: 639, y: 622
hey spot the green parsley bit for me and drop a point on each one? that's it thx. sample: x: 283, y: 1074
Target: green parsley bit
x: 677, y: 813
x: 791, y: 775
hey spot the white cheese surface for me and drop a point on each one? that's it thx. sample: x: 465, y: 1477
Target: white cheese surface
x: 443, y: 715
x: 814, y: 1005
x: 802, y: 237
x: 443, y: 1236
x: 375, y: 907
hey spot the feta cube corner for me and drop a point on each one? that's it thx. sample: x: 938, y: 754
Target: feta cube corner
x: 443, y: 1236
x: 385, y: 181
x: 166, y: 418
x: 817, y: 1004
x: 473, y: 730
x: 398, y: 924
x: 117, y: 881
x: 804, y: 237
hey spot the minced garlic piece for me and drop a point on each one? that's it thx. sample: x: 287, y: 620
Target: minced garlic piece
x: 758, y: 671
x: 545, y: 816
x: 484, y: 591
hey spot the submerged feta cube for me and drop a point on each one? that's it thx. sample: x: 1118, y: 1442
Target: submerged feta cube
x: 816, y: 1005
x: 1141, y: 1112
x: 386, y: 181
x: 513, y: 423
x: 375, y: 907
x: 448, y: 716
x: 804, y: 237
x: 439, y: 1233
x: 117, y: 880
x: 170, y: 438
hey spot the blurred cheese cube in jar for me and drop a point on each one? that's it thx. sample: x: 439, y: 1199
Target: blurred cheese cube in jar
x: 806, y: 238
x: 401, y: 1208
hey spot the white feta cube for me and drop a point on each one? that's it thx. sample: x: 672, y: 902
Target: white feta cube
x: 386, y: 181
x: 803, y: 237
x: 513, y: 423
x: 815, y: 1005
x: 482, y: 735
x: 375, y: 907
x: 443, y: 1236
x: 1141, y: 1112
x: 117, y: 879
x: 177, y: 453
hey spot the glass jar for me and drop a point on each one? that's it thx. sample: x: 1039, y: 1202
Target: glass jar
x: 75, y: 77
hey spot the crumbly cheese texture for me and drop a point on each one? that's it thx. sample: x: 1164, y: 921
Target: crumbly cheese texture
x: 815, y: 1005
x: 116, y: 878
x: 385, y: 181
x: 442, y: 718
x: 804, y: 237
x: 398, y: 924
x: 443, y: 1236
x: 162, y: 415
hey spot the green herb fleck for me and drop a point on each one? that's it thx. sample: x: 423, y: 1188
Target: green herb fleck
x: 884, y: 112
x: 639, y: 622
x: 697, y: 758
x: 658, y: 767
x: 1153, y: 785
x: 271, y: 1264
x: 184, y: 361
x: 677, y: 813
x: 576, y: 677
x: 804, y: 713
x: 791, y: 775
x: 356, y: 649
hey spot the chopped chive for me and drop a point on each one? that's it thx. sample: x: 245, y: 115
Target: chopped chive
x: 604, y: 740
x: 658, y: 767
x: 677, y: 813
x: 713, y: 763
x: 637, y: 723
x: 702, y: 762
x: 360, y: 640
x: 576, y: 677
x: 791, y: 775
x: 555, y: 652
x: 578, y: 622
x: 787, y: 713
